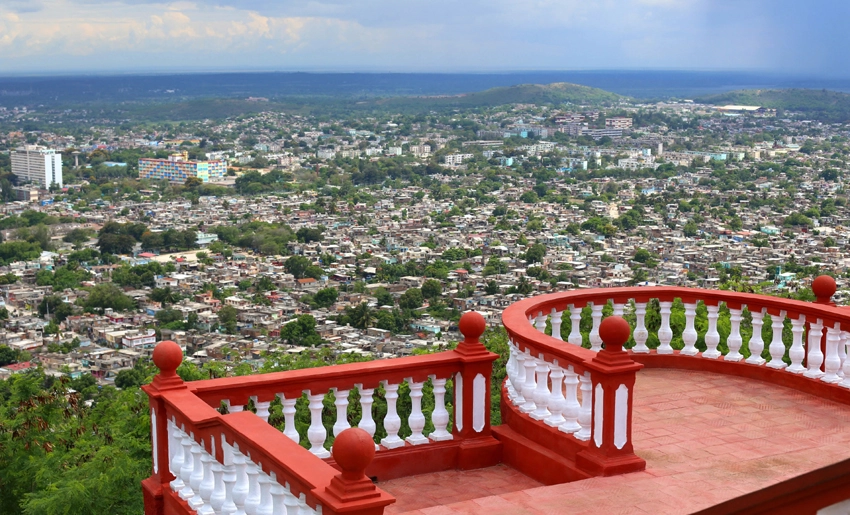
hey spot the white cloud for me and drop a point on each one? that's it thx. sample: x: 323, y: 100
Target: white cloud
x: 385, y: 34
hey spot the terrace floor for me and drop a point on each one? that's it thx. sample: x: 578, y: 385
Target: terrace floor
x: 706, y: 438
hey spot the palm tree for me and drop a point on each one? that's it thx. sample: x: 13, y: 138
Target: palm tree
x: 164, y: 296
x: 360, y: 316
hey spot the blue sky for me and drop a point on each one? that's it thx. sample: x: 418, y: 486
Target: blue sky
x: 790, y: 36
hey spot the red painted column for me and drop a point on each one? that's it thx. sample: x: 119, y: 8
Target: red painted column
x: 472, y: 386
x: 824, y: 288
x: 352, y: 492
x: 610, y: 449
x: 167, y: 356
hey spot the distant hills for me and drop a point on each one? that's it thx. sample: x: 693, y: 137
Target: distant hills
x: 216, y: 108
x: 818, y: 104
x: 541, y: 94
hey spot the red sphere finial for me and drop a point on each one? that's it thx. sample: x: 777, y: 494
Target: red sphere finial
x: 472, y: 326
x: 823, y: 287
x: 167, y: 356
x: 353, y: 450
x: 615, y: 332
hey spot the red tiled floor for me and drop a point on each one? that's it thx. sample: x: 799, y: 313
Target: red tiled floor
x: 706, y: 438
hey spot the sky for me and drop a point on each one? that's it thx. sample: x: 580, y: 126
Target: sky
x: 65, y: 36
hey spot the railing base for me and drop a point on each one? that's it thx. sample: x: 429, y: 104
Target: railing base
x: 152, y: 493
x: 535, y: 460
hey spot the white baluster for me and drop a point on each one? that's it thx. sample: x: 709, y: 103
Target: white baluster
x: 440, y: 415
x: 289, y: 429
x: 232, y: 408
x: 665, y: 333
x: 252, y: 501
x: 416, y: 420
x: 585, y: 412
x: 341, y: 403
x: 303, y: 508
x: 510, y: 369
x: 712, y: 337
x: 266, y: 506
x: 530, y: 385
x: 814, y: 359
x: 842, y: 352
x: 218, y: 495
x: 317, y: 434
x: 797, y: 353
x: 689, y: 335
x: 832, y: 362
x: 229, y: 478
x: 575, y: 326
x: 207, y: 485
x: 519, y: 400
x: 540, y: 322
x: 845, y: 342
x: 618, y: 309
x: 557, y: 402
x: 290, y: 500
x: 278, y: 493
x: 196, y: 502
x: 392, y: 422
x: 756, y: 344
x: 262, y: 408
x: 640, y: 333
x: 777, y: 346
x: 541, y: 392
x: 176, y: 444
x: 186, y: 469
x: 556, y: 324
x: 596, y: 315
x: 734, y: 341
x: 571, y: 406
x: 366, y: 422
x: 240, y: 489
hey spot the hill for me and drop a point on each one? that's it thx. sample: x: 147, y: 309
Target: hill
x: 541, y: 94
x: 817, y: 104
x: 219, y: 108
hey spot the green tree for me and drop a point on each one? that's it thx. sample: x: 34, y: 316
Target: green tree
x: 432, y: 289
x: 326, y: 297
x: 106, y: 295
x: 227, y: 318
x: 360, y: 316
x: 411, y: 299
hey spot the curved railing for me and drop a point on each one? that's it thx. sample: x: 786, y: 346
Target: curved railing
x: 546, y: 337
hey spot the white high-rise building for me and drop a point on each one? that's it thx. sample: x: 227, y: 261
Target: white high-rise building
x: 37, y: 165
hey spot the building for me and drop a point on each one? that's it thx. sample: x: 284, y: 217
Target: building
x: 177, y: 168
x: 37, y: 165
x: 456, y: 159
x: 618, y: 122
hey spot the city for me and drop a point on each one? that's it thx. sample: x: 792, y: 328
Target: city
x: 424, y: 258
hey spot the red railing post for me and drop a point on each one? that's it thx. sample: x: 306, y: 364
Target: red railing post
x: 167, y: 356
x: 610, y: 449
x: 472, y: 386
x: 351, y: 491
x: 824, y: 288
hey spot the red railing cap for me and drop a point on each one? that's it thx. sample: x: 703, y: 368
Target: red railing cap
x: 472, y: 325
x: 824, y: 288
x: 615, y: 332
x: 353, y: 451
x: 167, y: 356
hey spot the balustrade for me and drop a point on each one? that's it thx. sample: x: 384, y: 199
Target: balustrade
x: 555, y: 382
x: 217, y: 463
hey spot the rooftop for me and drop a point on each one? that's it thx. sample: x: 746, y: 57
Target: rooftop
x: 705, y: 440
